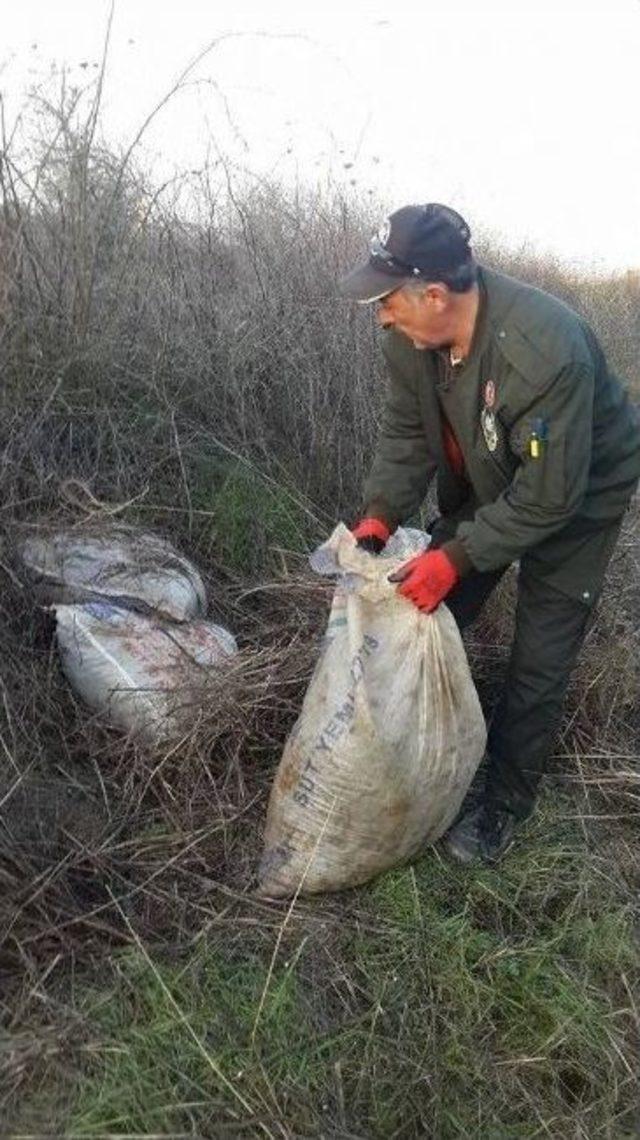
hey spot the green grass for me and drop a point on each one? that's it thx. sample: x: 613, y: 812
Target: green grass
x: 153, y: 1069
x: 515, y: 967
x: 252, y: 517
x: 445, y: 1003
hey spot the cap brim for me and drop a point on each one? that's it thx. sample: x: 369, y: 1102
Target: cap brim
x: 366, y: 283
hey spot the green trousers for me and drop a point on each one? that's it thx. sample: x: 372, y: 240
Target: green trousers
x: 550, y: 626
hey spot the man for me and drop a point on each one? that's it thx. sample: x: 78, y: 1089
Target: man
x: 504, y: 394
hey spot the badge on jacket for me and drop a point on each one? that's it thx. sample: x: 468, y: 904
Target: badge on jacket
x: 489, y: 428
x: 488, y: 420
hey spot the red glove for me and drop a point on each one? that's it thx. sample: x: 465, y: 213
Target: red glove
x: 426, y: 579
x: 372, y: 535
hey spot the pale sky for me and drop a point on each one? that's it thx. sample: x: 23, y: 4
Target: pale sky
x: 523, y: 116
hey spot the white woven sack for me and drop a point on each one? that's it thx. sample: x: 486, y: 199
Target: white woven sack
x: 389, y: 737
x: 114, y: 561
x: 134, y: 670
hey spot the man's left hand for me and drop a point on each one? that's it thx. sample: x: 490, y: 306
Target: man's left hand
x: 426, y: 579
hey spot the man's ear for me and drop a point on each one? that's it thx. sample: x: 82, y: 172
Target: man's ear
x: 437, y: 296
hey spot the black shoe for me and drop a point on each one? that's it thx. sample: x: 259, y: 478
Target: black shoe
x: 482, y: 835
x: 497, y: 828
x: 463, y: 841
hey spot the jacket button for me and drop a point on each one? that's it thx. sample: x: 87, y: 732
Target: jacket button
x: 586, y: 595
x: 502, y: 334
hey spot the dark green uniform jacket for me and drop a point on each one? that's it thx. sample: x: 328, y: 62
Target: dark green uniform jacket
x: 550, y: 442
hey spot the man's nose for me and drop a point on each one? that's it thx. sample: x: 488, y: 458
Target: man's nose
x: 384, y: 319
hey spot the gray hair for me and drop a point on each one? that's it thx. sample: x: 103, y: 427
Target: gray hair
x: 459, y: 280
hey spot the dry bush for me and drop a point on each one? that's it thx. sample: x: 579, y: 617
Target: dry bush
x: 78, y: 796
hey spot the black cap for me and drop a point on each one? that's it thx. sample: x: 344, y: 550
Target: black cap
x: 414, y: 243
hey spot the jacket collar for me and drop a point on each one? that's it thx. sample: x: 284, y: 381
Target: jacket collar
x: 501, y: 295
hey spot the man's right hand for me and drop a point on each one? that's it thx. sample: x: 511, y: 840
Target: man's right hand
x: 371, y: 534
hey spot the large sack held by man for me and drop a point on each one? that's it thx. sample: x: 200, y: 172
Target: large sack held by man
x: 390, y: 734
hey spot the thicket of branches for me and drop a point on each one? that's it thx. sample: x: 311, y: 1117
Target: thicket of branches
x: 140, y: 341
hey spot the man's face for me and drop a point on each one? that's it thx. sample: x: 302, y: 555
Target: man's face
x: 421, y: 315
